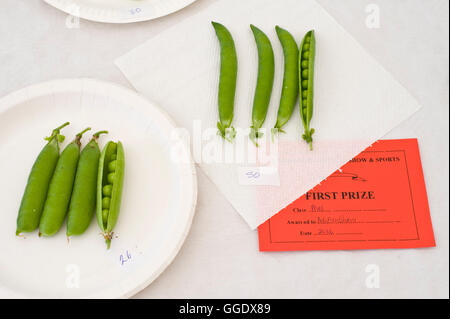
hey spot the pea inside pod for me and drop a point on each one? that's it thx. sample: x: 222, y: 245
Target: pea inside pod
x: 83, y: 200
x: 35, y: 194
x: 306, y: 76
x: 60, y: 189
x: 109, y: 188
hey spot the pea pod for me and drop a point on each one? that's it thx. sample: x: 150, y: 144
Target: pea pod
x: 227, y: 82
x: 83, y: 201
x: 35, y: 194
x: 289, y: 92
x: 109, y: 188
x: 306, y: 75
x: 60, y: 189
x: 264, y: 84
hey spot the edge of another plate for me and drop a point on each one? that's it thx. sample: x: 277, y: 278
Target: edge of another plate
x: 131, y: 14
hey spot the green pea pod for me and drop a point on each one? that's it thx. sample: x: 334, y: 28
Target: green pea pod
x: 35, y: 194
x: 83, y: 201
x: 60, y: 189
x: 109, y: 188
x: 306, y: 75
x: 227, y: 82
x: 290, y: 90
x: 264, y: 84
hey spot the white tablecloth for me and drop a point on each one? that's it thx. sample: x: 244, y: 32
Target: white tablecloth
x: 220, y: 257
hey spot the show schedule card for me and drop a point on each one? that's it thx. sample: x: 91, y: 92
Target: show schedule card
x: 377, y: 200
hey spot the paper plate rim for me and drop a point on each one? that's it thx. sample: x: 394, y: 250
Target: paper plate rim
x: 189, y: 175
x: 104, y: 16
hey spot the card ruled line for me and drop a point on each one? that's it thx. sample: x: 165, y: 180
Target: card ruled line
x: 359, y: 210
x: 348, y: 210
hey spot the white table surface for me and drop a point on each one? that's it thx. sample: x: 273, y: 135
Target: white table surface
x: 220, y: 258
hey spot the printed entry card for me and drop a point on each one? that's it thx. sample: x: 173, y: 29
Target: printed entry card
x: 376, y: 200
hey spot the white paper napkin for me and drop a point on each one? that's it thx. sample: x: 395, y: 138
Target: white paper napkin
x: 356, y: 100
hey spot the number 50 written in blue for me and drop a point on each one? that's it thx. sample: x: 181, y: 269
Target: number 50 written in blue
x: 253, y: 174
x: 135, y: 11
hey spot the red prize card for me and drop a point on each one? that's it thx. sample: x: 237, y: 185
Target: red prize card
x: 377, y: 200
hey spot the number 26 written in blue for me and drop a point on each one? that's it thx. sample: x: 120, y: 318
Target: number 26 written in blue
x: 124, y: 259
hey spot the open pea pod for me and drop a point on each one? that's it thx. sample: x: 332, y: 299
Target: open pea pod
x: 306, y: 75
x: 109, y: 188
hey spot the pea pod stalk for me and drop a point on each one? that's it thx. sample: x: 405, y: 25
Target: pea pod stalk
x: 306, y: 75
x: 35, y: 194
x: 227, y: 81
x: 83, y: 200
x: 109, y: 188
x: 264, y: 83
x: 60, y: 189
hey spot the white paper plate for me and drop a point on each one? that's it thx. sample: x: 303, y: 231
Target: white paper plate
x: 119, y: 11
x: 157, y: 206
